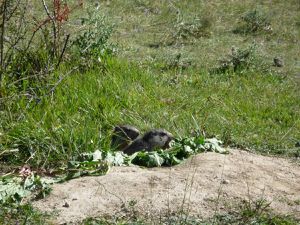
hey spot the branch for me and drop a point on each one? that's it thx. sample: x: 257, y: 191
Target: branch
x: 4, y: 9
x: 63, y: 51
x: 13, y: 11
x: 47, y: 11
x: 52, y: 18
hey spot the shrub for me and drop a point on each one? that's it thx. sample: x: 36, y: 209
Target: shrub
x: 198, y: 27
x: 187, y: 29
x: 253, y: 22
x: 239, y: 60
x: 92, y: 44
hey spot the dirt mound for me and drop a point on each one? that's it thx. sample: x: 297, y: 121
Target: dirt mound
x: 204, y: 184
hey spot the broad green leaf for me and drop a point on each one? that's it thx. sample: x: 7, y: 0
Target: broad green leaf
x: 97, y: 155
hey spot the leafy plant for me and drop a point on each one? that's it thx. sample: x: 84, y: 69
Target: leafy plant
x: 21, y: 214
x: 197, y: 27
x: 239, y: 59
x: 180, y: 150
x: 14, y: 189
x: 86, y: 164
x: 253, y: 22
x: 185, y: 30
x: 98, y: 163
x: 92, y: 43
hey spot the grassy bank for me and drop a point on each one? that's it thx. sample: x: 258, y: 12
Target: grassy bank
x: 252, y: 109
x: 164, y: 76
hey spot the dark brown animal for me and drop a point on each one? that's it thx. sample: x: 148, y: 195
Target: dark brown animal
x: 123, y: 135
x: 157, y: 138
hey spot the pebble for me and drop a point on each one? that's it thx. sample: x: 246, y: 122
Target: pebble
x: 225, y: 182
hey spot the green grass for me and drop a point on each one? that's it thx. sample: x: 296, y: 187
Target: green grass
x: 24, y: 214
x: 140, y: 23
x: 257, y: 212
x: 252, y: 109
x: 255, y: 108
x: 247, y: 213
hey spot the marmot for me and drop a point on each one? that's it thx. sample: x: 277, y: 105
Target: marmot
x: 123, y: 135
x: 157, y: 138
x: 278, y: 62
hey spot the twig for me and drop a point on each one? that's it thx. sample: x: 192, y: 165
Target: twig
x: 20, y: 35
x: 63, y: 51
x: 52, y: 18
x: 32, y: 36
x: 4, y: 9
x: 13, y: 11
x: 289, y: 130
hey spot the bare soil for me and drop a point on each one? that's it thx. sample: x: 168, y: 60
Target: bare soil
x: 203, y: 185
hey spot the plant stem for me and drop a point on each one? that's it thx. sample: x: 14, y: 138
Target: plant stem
x: 4, y: 6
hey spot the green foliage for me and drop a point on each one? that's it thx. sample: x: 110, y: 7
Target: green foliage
x: 86, y: 164
x: 21, y: 214
x: 239, y: 60
x: 14, y: 189
x: 180, y: 150
x: 195, y: 28
x: 187, y: 30
x: 98, y: 163
x: 253, y: 22
x: 26, y: 63
x: 92, y: 42
x: 79, y: 116
x: 34, y: 50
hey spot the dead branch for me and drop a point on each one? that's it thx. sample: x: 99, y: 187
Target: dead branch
x: 63, y: 51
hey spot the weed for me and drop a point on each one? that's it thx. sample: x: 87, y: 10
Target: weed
x: 196, y: 28
x: 176, y: 62
x: 186, y: 31
x: 239, y: 60
x: 253, y: 212
x: 92, y: 43
x: 14, y: 189
x: 257, y: 212
x: 253, y: 22
x: 20, y: 28
x: 21, y: 214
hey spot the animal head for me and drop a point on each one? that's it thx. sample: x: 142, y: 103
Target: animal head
x: 158, y: 138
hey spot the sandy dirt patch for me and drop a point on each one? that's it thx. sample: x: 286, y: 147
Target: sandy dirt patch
x: 203, y: 184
